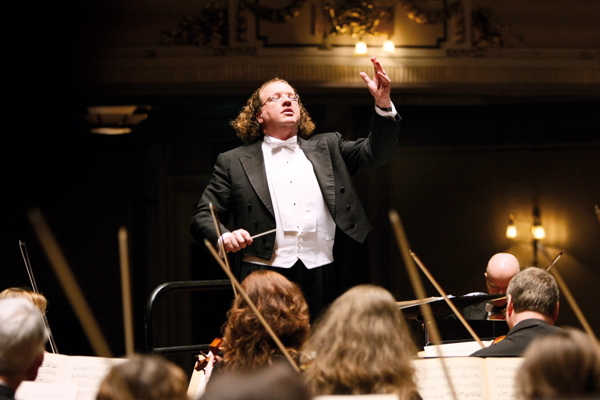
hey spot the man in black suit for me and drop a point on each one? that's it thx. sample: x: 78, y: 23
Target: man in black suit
x: 531, y: 311
x: 22, y: 344
x: 300, y: 184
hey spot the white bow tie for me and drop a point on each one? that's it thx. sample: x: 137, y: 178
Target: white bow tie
x: 289, y: 144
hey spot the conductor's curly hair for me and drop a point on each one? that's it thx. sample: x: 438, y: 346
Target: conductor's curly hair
x: 247, y: 126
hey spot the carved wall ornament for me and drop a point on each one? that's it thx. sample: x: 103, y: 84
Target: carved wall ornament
x: 454, y: 9
x: 210, y: 29
x: 271, y: 14
x: 358, y: 18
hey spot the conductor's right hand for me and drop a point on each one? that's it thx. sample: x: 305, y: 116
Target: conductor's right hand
x: 236, y: 240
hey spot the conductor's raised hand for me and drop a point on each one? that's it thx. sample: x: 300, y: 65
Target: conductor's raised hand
x: 380, y: 86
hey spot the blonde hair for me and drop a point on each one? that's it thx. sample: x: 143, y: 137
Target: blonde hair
x: 564, y: 364
x: 38, y: 300
x: 361, y: 345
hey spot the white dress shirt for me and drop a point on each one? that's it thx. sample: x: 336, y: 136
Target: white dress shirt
x: 305, y: 228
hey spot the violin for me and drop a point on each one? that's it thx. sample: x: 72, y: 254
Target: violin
x: 498, y: 339
x: 215, y: 348
x: 498, y: 314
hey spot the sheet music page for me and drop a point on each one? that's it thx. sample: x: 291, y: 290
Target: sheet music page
x: 85, y: 372
x: 501, y: 376
x: 458, y: 349
x: 29, y: 390
x: 468, y: 375
x: 53, y: 368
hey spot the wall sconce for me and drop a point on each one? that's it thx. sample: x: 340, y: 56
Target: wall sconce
x: 389, y: 46
x: 115, y: 120
x: 360, y: 47
x: 511, y: 229
x: 537, y: 231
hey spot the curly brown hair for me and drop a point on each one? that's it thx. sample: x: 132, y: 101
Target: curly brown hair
x: 247, y: 344
x: 247, y: 126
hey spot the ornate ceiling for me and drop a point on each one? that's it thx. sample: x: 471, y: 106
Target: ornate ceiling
x: 504, y: 48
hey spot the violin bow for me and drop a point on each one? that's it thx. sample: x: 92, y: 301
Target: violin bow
x: 25, y: 255
x: 419, y: 292
x: 126, y: 291
x: 69, y: 283
x: 553, y: 261
x: 443, y: 294
x: 220, y: 241
x: 563, y: 287
x: 258, y: 314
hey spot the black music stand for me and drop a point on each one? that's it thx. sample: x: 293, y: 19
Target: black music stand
x: 452, y: 330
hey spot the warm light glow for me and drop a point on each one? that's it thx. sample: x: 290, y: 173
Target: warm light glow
x: 538, y: 232
x: 511, y: 229
x: 111, y: 131
x: 111, y: 110
x: 389, y: 46
x: 360, y: 48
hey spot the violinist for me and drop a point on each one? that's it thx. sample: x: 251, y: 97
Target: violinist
x: 531, y: 311
x: 38, y: 299
x: 361, y: 346
x: 500, y: 270
x: 246, y: 343
x: 564, y: 365
x: 22, y: 341
x: 144, y: 377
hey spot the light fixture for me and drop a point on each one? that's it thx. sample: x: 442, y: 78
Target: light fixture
x: 359, y: 18
x: 115, y: 120
x: 537, y: 230
x: 388, y: 46
x: 511, y: 229
x: 360, y: 47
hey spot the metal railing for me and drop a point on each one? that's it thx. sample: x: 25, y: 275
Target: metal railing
x: 181, y: 286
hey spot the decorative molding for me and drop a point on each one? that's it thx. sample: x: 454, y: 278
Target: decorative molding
x: 454, y: 9
x: 281, y: 15
x: 461, y: 72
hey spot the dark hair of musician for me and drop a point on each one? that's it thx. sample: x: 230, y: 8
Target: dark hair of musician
x: 564, y: 365
x: 361, y: 345
x: 534, y: 289
x: 247, y: 344
x: 247, y: 126
x: 144, y: 377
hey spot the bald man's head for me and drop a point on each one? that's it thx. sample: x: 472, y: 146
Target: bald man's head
x: 500, y: 270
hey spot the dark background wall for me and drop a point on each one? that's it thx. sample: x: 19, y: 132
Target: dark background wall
x: 469, y: 155
x: 458, y: 174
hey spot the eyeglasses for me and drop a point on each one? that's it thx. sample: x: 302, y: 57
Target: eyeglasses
x: 278, y: 96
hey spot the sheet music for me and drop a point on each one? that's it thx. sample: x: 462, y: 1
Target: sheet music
x: 457, y: 349
x: 83, y: 371
x: 29, y: 390
x: 501, y: 377
x: 467, y: 374
x: 473, y: 378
